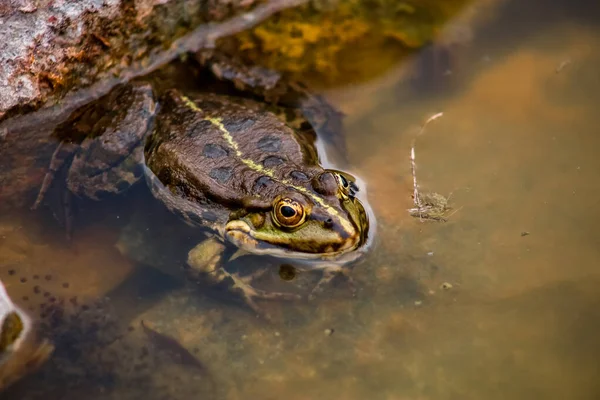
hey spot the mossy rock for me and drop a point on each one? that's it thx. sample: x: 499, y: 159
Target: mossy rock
x: 344, y: 41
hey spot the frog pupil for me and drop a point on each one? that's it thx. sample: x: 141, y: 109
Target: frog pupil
x: 287, y: 211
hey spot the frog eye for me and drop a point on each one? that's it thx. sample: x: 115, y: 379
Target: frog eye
x: 346, y: 184
x: 289, y: 213
x: 343, y: 181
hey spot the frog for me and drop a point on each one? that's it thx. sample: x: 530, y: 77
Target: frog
x: 247, y: 170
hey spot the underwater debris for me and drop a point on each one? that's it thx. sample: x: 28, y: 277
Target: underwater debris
x: 428, y: 205
x: 176, y: 351
x: 432, y: 206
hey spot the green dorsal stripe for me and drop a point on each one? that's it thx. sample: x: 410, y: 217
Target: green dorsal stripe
x: 266, y: 171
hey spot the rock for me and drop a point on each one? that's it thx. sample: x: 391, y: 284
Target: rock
x: 47, y: 49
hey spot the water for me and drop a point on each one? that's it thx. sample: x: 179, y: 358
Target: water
x: 500, y: 301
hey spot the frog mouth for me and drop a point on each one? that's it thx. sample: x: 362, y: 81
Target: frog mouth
x: 244, y: 237
x: 240, y: 234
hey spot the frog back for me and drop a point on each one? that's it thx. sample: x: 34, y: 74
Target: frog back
x: 217, y: 149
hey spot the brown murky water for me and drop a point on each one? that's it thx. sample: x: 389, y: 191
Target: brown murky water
x: 500, y: 302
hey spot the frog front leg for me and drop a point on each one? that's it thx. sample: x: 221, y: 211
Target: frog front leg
x: 62, y: 153
x: 207, y: 259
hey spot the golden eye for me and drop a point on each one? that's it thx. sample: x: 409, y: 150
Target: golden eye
x: 289, y: 213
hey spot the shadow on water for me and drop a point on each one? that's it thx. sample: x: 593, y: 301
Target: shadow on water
x: 499, y: 302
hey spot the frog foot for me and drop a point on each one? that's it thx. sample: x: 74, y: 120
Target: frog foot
x: 242, y: 285
x: 205, y: 258
x: 329, y: 273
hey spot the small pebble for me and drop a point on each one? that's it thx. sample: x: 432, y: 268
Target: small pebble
x: 430, y: 253
x: 287, y: 272
x: 418, y: 302
x: 276, y: 333
x: 446, y: 286
x: 524, y: 233
x: 328, y: 332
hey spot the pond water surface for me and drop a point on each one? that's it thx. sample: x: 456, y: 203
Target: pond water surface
x: 501, y: 301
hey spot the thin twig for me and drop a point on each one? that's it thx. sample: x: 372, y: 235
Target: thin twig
x: 413, y: 164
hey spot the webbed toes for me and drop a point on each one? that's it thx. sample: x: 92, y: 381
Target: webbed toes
x: 249, y: 293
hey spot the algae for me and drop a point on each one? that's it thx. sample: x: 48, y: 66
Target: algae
x: 333, y: 42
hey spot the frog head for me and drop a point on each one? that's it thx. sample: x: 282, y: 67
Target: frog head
x: 323, y: 220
